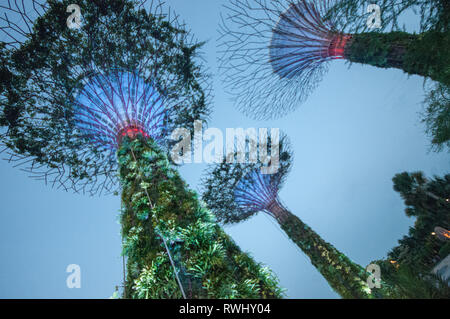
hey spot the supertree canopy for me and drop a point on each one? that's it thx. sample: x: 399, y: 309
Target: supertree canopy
x: 257, y: 192
x: 235, y: 192
x: 274, y: 53
x: 59, y: 82
x: 245, y: 190
x: 302, y: 41
x: 89, y: 108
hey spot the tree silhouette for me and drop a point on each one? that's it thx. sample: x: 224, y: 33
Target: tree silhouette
x: 410, y: 263
x: 428, y: 201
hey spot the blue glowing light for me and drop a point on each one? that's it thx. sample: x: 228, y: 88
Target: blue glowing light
x: 119, y: 103
x: 302, y: 40
x: 256, y: 191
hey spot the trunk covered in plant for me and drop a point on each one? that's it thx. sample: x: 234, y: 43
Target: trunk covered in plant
x: 424, y: 54
x: 158, y: 207
x: 347, y: 278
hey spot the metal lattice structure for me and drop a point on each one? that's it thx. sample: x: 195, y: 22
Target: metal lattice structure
x: 257, y: 192
x: 273, y: 53
x: 111, y: 106
x: 17, y: 20
x: 302, y: 41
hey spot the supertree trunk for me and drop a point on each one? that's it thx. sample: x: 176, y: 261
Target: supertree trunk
x: 173, y: 245
x: 347, y: 278
x: 422, y: 54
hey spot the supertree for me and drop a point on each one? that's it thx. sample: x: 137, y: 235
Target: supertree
x: 88, y: 109
x: 274, y: 53
x: 428, y: 201
x: 237, y: 191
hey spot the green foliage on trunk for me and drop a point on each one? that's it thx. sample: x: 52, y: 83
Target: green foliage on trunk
x: 209, y: 263
x: 431, y: 14
x: 345, y: 277
x: 425, y: 54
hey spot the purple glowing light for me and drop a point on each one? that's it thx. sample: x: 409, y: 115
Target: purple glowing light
x: 302, y: 40
x: 257, y: 192
x: 117, y: 104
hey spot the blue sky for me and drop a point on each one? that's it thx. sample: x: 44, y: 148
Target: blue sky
x: 358, y: 129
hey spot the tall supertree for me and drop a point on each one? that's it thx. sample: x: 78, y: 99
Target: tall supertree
x: 236, y: 191
x: 274, y: 52
x: 89, y: 109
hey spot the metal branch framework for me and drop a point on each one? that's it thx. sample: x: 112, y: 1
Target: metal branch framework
x: 111, y: 106
x: 237, y: 191
x: 273, y: 53
x: 17, y: 19
x: 302, y: 41
x: 257, y: 192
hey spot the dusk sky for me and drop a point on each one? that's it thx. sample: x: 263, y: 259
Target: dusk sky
x: 358, y: 129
